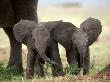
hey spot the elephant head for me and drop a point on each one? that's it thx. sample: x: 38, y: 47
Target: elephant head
x: 85, y: 36
x: 80, y: 41
x: 22, y: 28
x: 93, y: 28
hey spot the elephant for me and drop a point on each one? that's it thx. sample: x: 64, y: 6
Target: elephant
x: 12, y: 11
x: 84, y: 37
x: 76, y: 41
x: 38, y: 40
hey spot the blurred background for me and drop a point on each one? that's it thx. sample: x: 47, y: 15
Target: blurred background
x: 74, y: 11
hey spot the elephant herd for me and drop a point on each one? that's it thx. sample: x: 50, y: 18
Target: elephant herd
x: 42, y: 38
x: 42, y: 41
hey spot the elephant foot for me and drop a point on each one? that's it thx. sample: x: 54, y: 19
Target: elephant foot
x: 57, y: 73
x: 29, y: 74
x: 85, y: 71
x: 39, y: 69
x: 77, y: 72
x: 39, y: 72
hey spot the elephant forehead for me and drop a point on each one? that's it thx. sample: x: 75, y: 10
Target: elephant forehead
x: 80, y: 34
x: 41, y: 34
x: 80, y: 37
x: 40, y: 37
x: 40, y: 31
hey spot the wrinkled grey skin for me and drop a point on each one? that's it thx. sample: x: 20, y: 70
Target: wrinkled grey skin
x: 37, y: 38
x: 83, y: 37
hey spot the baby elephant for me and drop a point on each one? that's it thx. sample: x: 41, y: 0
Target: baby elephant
x: 38, y: 41
x: 43, y: 38
x: 83, y: 37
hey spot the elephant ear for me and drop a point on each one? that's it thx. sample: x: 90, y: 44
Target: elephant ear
x: 93, y: 28
x: 52, y: 24
x: 21, y: 29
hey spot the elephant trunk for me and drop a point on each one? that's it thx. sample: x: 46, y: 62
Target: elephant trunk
x: 81, y: 60
x: 46, y: 59
x: 82, y: 53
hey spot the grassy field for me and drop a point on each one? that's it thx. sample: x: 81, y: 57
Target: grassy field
x: 100, y: 50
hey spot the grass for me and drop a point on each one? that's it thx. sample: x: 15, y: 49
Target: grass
x: 100, y: 54
x: 11, y: 73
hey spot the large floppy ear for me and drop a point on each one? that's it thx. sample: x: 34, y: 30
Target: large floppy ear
x: 93, y: 28
x: 52, y: 24
x: 21, y: 29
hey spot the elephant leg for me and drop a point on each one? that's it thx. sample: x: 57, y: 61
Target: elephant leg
x: 15, y: 50
x: 72, y: 59
x: 86, y: 63
x: 54, y: 55
x: 31, y: 58
x: 71, y: 55
x: 39, y: 66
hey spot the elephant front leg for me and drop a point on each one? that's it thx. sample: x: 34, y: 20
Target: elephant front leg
x: 15, y: 50
x: 71, y: 57
x: 39, y: 66
x: 55, y: 56
x: 31, y: 58
x: 72, y: 60
x: 86, y: 63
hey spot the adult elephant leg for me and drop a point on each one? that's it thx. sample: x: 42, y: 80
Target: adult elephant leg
x: 72, y: 59
x: 55, y: 56
x: 86, y: 63
x: 15, y: 50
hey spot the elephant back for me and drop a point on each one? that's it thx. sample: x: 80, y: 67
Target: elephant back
x: 63, y: 34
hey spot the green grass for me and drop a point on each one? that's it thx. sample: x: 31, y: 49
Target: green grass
x: 12, y: 74
x: 8, y: 74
